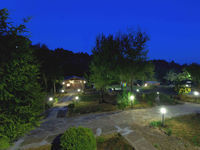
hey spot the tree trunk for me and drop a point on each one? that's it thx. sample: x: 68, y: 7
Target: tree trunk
x: 102, y: 96
x: 45, y: 81
x: 54, y: 87
x: 131, y: 85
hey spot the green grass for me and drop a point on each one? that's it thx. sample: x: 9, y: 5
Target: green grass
x: 186, y: 127
x: 104, y: 142
x: 112, y: 142
x: 89, y: 103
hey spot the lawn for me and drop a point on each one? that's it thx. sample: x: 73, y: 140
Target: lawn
x: 112, y: 142
x: 104, y: 142
x: 185, y: 127
x: 89, y: 103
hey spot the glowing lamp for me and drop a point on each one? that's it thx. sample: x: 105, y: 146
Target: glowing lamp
x: 78, y: 90
x: 76, y: 97
x: 50, y: 98
x: 196, y: 93
x: 68, y: 85
x: 62, y: 91
x: 63, y: 83
x: 137, y: 90
x: 132, y: 97
x: 158, y: 93
x: 84, y: 81
x: 187, y: 85
x: 145, y: 85
x: 163, y: 110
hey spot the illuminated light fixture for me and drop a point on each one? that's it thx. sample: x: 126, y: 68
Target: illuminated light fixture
x: 63, y: 83
x: 62, y: 91
x: 145, y: 84
x: 78, y: 90
x: 76, y: 97
x: 132, y: 97
x: 137, y: 90
x: 187, y: 85
x: 68, y: 85
x: 84, y: 81
x: 158, y: 93
x: 163, y: 110
x: 196, y: 93
x: 50, y: 98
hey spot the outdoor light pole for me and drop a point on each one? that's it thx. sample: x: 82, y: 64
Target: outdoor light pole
x: 163, y: 112
x: 132, y: 98
x: 196, y: 94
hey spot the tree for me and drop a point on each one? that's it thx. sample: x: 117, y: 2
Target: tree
x: 171, y: 76
x: 20, y: 93
x: 119, y: 58
x: 194, y: 70
x: 104, y: 63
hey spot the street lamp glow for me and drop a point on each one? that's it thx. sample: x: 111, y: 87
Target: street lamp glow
x: 76, y: 97
x: 62, y: 91
x: 84, y: 81
x: 78, y: 90
x: 68, y: 85
x: 63, y: 83
x: 145, y: 85
x: 137, y: 90
x: 187, y: 85
x: 196, y: 93
x: 132, y: 97
x: 163, y: 110
x: 158, y: 93
x: 50, y: 98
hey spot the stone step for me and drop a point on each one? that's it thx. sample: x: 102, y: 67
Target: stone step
x: 138, y: 142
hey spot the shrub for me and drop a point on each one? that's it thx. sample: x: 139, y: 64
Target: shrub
x: 71, y: 107
x: 123, y: 100
x: 184, y: 90
x: 155, y: 124
x: 78, y: 139
x: 4, y: 142
x: 169, y: 131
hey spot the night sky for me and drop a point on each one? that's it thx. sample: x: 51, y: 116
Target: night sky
x: 173, y: 26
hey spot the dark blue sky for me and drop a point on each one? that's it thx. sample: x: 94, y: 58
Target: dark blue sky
x: 173, y: 25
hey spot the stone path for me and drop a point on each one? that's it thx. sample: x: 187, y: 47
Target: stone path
x: 107, y: 122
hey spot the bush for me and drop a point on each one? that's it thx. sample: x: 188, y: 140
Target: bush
x: 4, y: 142
x: 169, y: 131
x: 123, y: 100
x: 71, y: 107
x: 78, y: 139
x: 155, y: 124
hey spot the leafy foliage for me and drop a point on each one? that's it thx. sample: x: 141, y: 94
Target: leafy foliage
x: 20, y: 93
x: 78, y: 139
x: 123, y: 100
x: 4, y: 142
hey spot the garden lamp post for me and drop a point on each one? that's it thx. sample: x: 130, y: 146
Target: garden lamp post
x: 163, y: 112
x: 50, y: 98
x: 132, y: 97
x: 196, y: 94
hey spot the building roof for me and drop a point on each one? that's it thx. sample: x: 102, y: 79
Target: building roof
x: 73, y: 78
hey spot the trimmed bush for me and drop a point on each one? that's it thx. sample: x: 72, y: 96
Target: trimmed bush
x: 4, y: 142
x: 78, y: 139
